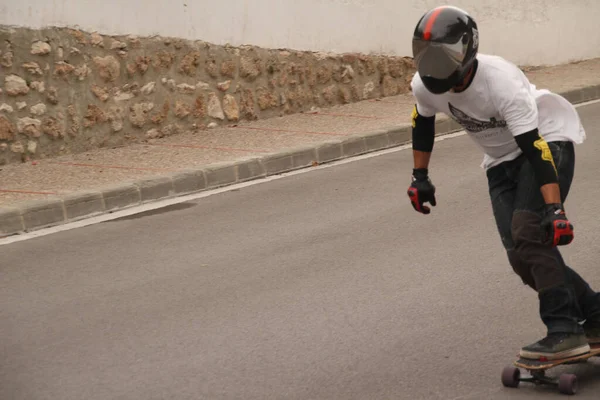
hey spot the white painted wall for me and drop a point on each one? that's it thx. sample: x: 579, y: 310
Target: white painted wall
x: 524, y: 31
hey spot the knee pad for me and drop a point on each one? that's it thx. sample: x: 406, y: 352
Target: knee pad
x: 544, y: 269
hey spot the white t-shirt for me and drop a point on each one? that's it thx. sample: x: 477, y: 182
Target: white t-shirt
x: 499, y: 104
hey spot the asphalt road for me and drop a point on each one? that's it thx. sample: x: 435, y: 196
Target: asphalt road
x: 322, y: 285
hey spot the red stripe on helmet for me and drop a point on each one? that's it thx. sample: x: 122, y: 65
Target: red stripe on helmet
x: 430, y: 22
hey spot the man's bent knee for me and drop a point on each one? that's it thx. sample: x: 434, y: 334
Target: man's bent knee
x: 521, y: 268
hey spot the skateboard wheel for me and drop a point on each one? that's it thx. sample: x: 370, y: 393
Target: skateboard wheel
x: 567, y: 384
x: 510, y: 377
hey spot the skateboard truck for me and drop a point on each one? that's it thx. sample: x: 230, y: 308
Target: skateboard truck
x: 565, y: 383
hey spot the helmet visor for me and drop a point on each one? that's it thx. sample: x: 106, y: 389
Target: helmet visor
x: 438, y: 60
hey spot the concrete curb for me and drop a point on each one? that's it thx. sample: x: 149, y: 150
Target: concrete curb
x: 33, y: 215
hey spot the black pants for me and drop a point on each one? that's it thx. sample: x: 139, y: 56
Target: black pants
x: 565, y: 297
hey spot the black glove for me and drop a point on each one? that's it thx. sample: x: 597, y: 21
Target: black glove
x: 556, y: 228
x: 421, y: 190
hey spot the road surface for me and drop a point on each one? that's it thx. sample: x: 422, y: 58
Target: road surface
x: 321, y: 285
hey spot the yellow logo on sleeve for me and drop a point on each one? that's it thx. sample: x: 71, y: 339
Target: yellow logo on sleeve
x: 414, y: 116
x: 542, y: 146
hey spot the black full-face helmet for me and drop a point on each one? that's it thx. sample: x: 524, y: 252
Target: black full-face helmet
x: 445, y: 44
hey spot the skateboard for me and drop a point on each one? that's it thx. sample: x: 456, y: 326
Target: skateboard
x: 566, y: 383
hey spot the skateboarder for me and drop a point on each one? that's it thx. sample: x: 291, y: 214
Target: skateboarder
x: 527, y: 137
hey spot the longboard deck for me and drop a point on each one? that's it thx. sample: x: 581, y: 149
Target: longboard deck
x: 530, y: 364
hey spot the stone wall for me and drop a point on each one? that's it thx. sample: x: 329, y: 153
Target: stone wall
x: 65, y: 91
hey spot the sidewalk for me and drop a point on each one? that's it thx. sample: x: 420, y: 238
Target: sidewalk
x: 59, y: 190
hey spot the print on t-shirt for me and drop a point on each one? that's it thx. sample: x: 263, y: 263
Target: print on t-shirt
x: 472, y: 124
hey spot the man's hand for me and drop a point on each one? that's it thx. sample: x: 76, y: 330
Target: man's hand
x: 556, y: 228
x: 421, y: 190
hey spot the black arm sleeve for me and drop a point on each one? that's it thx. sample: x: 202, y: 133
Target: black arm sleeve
x: 423, y: 131
x: 539, y: 155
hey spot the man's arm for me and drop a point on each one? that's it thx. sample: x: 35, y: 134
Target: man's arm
x: 559, y: 231
x: 421, y: 189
